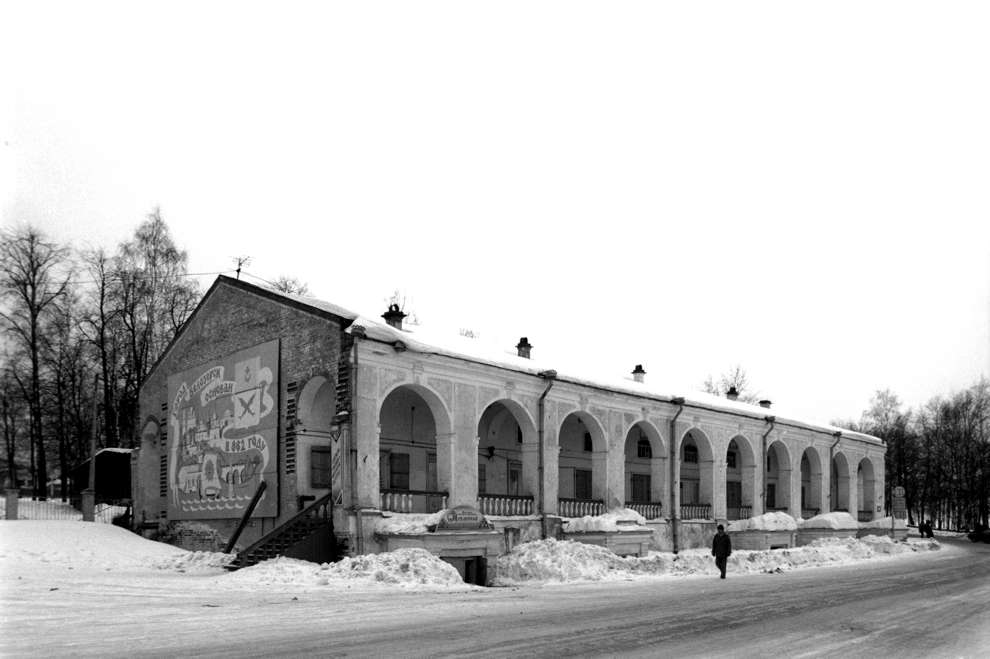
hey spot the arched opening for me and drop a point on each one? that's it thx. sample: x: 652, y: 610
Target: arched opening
x: 740, y: 469
x: 696, y: 476
x: 811, y: 483
x: 504, y: 431
x: 777, y: 496
x: 314, y: 413
x: 581, y: 469
x: 644, y: 472
x: 865, y: 490
x: 410, y: 468
x: 839, y: 484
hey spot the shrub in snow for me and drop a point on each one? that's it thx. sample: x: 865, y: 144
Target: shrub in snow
x: 835, y: 521
x: 775, y: 521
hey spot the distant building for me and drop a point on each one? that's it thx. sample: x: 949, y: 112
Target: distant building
x: 379, y: 419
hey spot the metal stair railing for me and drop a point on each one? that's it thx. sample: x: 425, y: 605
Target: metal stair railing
x: 296, y: 528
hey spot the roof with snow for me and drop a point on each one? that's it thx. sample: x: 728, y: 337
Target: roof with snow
x: 425, y: 340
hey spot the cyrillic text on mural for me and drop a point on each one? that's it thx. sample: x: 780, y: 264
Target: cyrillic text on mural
x: 222, y: 435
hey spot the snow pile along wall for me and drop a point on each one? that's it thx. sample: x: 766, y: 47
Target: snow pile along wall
x: 836, y: 521
x: 775, y: 521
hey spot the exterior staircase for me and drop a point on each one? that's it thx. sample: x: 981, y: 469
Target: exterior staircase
x: 317, y: 517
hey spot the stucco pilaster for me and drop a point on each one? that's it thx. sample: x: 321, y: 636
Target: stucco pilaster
x: 365, y: 440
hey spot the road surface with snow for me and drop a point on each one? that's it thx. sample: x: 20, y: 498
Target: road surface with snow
x: 94, y: 590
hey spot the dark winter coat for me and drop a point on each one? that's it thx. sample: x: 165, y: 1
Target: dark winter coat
x: 721, y: 545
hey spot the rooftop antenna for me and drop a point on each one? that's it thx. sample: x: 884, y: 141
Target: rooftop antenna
x: 241, y: 261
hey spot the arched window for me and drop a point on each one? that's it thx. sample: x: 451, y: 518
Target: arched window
x: 690, y: 453
x: 643, y: 449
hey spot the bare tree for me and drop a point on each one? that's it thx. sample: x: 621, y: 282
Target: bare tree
x: 735, y: 378
x: 32, y: 278
x: 153, y: 300
x: 11, y: 414
x: 290, y: 285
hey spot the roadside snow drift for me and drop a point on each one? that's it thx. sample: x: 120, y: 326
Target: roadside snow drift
x: 550, y: 561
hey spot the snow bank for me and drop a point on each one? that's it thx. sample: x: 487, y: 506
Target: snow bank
x: 415, y: 569
x: 406, y: 523
x: 834, y: 521
x: 550, y: 561
x: 607, y: 522
x: 80, y: 544
x: 775, y: 521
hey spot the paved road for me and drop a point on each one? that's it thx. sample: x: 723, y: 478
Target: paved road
x: 919, y: 606
x: 935, y: 604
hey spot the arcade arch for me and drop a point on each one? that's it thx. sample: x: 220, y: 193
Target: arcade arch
x: 696, y: 475
x: 581, y: 468
x: 415, y: 446
x: 645, y: 478
x: 740, y: 472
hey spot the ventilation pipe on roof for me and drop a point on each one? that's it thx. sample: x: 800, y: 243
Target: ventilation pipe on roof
x: 765, y: 403
x: 732, y: 393
x: 674, y: 508
x: 771, y: 420
x: 394, y: 316
x: 523, y: 347
x: 638, y: 373
x: 549, y: 376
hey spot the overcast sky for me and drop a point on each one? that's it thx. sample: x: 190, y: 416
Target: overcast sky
x: 797, y: 188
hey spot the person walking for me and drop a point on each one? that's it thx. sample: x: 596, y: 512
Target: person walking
x: 721, y: 548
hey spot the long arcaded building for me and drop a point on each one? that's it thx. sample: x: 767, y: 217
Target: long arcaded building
x: 351, y: 421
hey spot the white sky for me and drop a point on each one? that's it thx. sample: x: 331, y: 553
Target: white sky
x: 797, y: 188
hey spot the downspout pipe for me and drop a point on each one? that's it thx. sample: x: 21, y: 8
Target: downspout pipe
x: 549, y: 376
x: 831, y: 455
x: 357, y: 333
x: 674, y: 508
x: 772, y: 420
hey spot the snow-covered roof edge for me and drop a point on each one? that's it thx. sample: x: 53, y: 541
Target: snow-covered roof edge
x: 468, y: 349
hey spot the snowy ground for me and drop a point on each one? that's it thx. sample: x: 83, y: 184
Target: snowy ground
x: 61, y: 573
x: 33, y: 548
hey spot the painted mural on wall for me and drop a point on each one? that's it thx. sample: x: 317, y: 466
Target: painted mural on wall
x: 222, y: 435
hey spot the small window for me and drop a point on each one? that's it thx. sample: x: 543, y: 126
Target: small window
x: 482, y: 479
x: 769, y: 461
x: 431, y: 472
x: 518, y: 435
x: 582, y: 484
x: 730, y: 459
x: 643, y: 449
x: 641, y: 488
x: 319, y: 467
x: 398, y: 471
x: 515, y: 470
x: 690, y: 453
x: 588, y: 446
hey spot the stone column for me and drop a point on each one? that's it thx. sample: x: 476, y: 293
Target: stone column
x: 464, y: 466
x: 365, y: 492
x: 794, y: 483
x: 718, y: 502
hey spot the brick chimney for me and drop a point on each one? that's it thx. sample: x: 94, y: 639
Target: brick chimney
x: 765, y: 403
x: 732, y: 393
x: 394, y: 316
x: 638, y: 373
x: 523, y: 347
